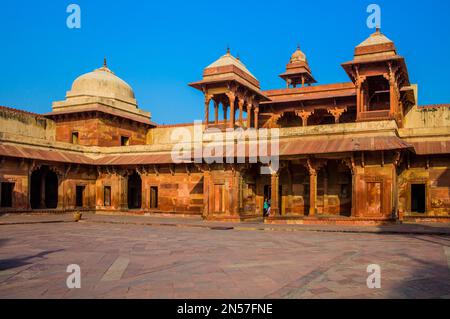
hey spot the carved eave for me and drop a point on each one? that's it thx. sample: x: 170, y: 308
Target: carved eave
x: 352, y: 67
x: 296, y: 70
x: 225, y: 83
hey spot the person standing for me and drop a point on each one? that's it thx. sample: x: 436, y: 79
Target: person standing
x: 266, y: 207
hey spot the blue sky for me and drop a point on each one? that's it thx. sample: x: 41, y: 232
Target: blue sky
x: 158, y: 47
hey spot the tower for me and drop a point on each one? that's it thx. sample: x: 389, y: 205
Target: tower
x: 297, y: 70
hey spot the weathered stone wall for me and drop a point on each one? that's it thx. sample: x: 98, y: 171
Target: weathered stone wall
x: 428, y: 117
x: 100, y: 131
x: 434, y: 172
x: 163, y: 135
x: 16, y: 172
x: 26, y: 124
x: 374, y: 188
x: 79, y: 177
x: 178, y: 191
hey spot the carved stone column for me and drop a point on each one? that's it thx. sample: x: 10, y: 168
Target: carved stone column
x: 274, y: 200
x: 232, y: 98
x: 249, y: 114
x: 225, y: 112
x: 359, y: 83
x: 312, y: 192
x: 392, y: 91
x: 350, y: 163
x: 241, y: 111
x: 313, y: 166
x: 206, y: 193
x: 216, y: 112
x: 207, y: 100
x: 256, y: 116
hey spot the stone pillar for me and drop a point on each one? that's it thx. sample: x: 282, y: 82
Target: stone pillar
x: 325, y: 192
x: 207, y: 100
x: 274, y: 201
x: 99, y: 189
x: 207, y: 194
x: 241, y: 111
x: 234, y: 192
x: 232, y: 99
x: 225, y: 109
x: 359, y: 96
x: 61, y: 192
x: 216, y: 112
x: 312, y: 192
x: 353, y: 209
x: 249, y: 115
x: 123, y: 191
x: 392, y: 95
x: 256, y: 116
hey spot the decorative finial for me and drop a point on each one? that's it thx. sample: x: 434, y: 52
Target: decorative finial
x: 298, y: 46
x: 104, y: 62
x: 378, y: 29
x: 238, y: 57
x: 228, y: 49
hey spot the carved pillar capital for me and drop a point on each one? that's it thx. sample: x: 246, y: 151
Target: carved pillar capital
x: 337, y: 112
x: 304, y: 115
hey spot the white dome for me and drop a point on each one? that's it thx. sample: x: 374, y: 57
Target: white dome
x: 102, y: 83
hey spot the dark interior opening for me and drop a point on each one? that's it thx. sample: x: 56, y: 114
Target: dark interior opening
x: 153, y: 197
x: 51, y: 190
x: 7, y: 194
x: 44, y: 189
x: 107, y: 196
x: 124, y: 141
x: 418, y: 198
x: 134, y: 191
x: 35, y: 189
x: 75, y: 136
x: 378, y: 93
x: 79, y: 196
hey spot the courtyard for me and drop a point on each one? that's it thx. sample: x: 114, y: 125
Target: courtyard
x: 124, y: 260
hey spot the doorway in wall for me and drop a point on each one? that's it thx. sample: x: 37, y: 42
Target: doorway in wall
x: 418, y: 198
x: 6, y: 194
x: 80, y: 195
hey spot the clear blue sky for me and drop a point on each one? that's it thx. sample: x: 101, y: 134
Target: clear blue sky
x: 158, y: 47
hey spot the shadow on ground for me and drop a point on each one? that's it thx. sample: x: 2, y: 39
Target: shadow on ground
x: 7, y: 264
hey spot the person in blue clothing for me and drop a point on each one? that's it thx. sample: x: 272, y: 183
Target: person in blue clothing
x: 266, y: 207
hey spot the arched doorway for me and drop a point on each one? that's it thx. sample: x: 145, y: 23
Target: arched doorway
x: 43, y: 189
x: 134, y: 191
x: 51, y: 190
x: 335, y: 189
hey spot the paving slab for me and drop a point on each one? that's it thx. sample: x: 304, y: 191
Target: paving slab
x: 198, y: 222
x: 141, y: 261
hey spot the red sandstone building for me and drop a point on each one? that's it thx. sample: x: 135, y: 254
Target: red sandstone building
x: 355, y: 152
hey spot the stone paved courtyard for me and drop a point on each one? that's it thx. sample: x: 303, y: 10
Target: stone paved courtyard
x: 137, y: 261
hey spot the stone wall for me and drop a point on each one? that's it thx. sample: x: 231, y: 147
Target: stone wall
x: 97, y: 131
x: 434, y: 173
x: 16, y: 172
x: 26, y: 124
x: 428, y: 117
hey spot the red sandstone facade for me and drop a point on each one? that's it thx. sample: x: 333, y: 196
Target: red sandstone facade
x: 356, y: 152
